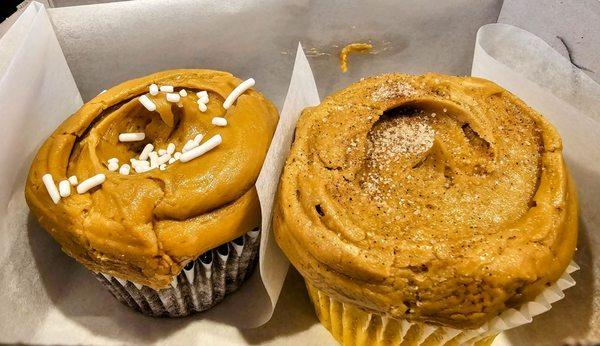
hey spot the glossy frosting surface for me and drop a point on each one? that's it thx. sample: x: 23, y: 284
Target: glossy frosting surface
x: 144, y: 226
x: 430, y: 198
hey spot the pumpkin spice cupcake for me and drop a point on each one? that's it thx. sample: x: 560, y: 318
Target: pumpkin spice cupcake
x: 150, y: 185
x: 427, y: 210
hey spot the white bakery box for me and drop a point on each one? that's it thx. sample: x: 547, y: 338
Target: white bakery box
x: 52, y: 60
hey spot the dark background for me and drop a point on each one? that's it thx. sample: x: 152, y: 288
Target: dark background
x: 8, y: 7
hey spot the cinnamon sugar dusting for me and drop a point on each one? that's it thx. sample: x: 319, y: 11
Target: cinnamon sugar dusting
x: 386, y: 91
x: 392, y: 140
x: 399, y: 136
x: 377, y: 187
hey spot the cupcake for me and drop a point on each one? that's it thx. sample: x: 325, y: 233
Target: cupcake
x: 150, y: 185
x: 426, y: 210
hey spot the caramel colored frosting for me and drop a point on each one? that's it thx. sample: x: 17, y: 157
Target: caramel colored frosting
x: 144, y: 227
x: 429, y: 198
x: 350, y: 48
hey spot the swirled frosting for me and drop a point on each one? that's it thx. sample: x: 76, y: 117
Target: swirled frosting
x: 145, y: 226
x: 430, y: 198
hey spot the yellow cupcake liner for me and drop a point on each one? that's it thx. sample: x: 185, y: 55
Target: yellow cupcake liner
x: 351, y: 325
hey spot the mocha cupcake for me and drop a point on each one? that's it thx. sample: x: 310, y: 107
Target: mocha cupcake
x: 427, y: 210
x: 150, y: 185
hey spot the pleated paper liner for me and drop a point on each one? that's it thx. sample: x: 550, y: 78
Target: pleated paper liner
x: 351, y: 325
x: 202, y: 284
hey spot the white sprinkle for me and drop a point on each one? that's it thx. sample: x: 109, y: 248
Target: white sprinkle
x: 191, y: 144
x: 203, y: 148
x: 51, y: 187
x: 147, y: 149
x: 140, y: 163
x: 172, y: 160
x: 64, y: 188
x: 166, y: 88
x: 162, y: 167
x: 153, y: 89
x: 163, y: 159
x: 177, y: 155
x: 240, y: 89
x: 218, y: 121
x: 132, y: 137
x: 202, y: 94
x: 203, y: 99
x: 146, y: 102
x: 202, y: 107
x: 113, y: 166
x: 172, y: 97
x: 183, y: 93
x: 153, y: 159
x: 102, y: 92
x: 73, y: 180
x: 114, y: 159
x: 171, y: 148
x: 198, y: 138
x: 125, y: 169
x: 161, y: 152
x: 140, y: 169
x: 89, y: 183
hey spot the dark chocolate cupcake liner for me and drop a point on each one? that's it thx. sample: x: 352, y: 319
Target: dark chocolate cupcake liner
x: 202, y: 284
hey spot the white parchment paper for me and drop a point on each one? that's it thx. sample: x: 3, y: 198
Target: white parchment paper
x: 527, y: 66
x: 107, y: 43
x: 36, y: 91
x: 302, y: 93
